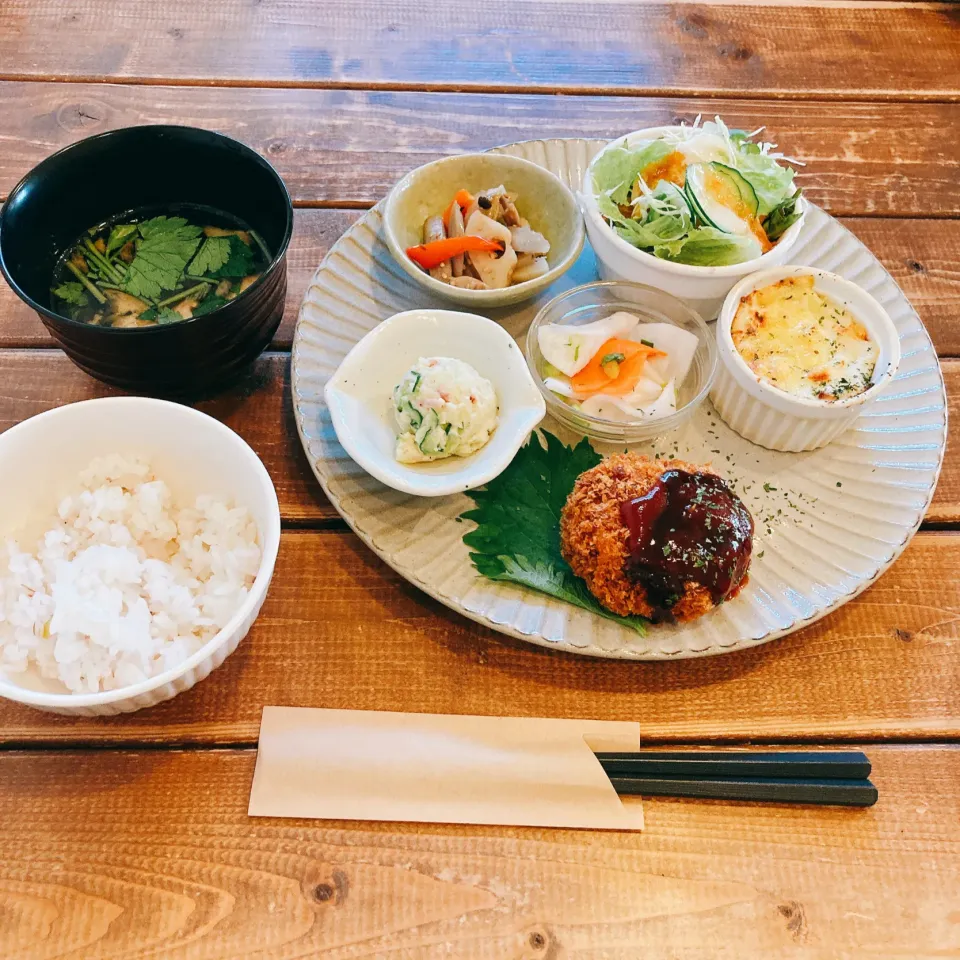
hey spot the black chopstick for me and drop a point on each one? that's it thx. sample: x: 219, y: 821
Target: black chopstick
x: 836, y: 792
x: 708, y: 764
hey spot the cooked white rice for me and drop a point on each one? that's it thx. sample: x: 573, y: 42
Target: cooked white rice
x: 125, y: 583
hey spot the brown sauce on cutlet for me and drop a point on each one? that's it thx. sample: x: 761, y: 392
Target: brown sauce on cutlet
x: 687, y: 527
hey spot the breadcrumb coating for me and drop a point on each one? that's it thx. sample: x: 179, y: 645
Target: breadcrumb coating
x: 594, y: 540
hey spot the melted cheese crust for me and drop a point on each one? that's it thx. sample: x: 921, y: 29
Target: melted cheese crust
x: 802, y: 342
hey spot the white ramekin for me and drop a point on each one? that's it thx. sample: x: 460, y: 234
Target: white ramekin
x: 775, y: 419
x: 703, y: 288
x: 40, y: 459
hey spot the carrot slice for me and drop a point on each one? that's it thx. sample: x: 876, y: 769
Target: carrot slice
x: 430, y: 255
x: 464, y: 198
x: 593, y: 378
x: 448, y: 212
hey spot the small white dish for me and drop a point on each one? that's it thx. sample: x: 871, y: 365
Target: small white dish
x: 766, y: 415
x: 703, y: 288
x: 40, y: 460
x: 360, y: 398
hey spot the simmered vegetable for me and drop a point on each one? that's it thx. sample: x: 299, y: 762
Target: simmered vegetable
x: 481, y: 243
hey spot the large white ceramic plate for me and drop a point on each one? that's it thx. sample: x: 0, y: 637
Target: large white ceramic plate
x: 828, y: 522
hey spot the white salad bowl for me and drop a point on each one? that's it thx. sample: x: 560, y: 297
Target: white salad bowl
x: 360, y: 398
x: 778, y: 420
x: 40, y: 460
x: 703, y: 288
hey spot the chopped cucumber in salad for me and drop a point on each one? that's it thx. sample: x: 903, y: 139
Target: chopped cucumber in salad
x: 443, y: 408
x: 702, y: 195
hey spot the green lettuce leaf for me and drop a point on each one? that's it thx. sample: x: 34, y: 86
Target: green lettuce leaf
x: 616, y: 171
x: 771, y: 182
x: 517, y: 538
x: 709, y: 247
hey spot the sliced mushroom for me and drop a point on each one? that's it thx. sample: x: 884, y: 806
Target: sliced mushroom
x: 455, y: 228
x: 248, y: 281
x: 527, y: 240
x: 433, y: 230
x: 186, y: 307
x: 122, y: 304
x: 223, y: 288
x: 129, y: 320
x: 493, y: 269
x: 127, y: 252
x: 468, y: 283
x: 511, y: 216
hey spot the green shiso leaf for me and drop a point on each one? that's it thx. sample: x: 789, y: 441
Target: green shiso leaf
x: 517, y: 538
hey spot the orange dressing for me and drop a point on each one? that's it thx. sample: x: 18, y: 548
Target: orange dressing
x: 672, y: 167
x: 725, y: 194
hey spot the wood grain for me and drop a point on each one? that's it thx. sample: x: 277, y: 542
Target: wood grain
x: 260, y: 410
x: 922, y: 257
x: 151, y: 854
x: 692, y: 48
x: 346, y: 147
x: 340, y: 629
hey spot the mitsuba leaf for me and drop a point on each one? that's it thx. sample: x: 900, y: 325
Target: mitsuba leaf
x: 214, y: 252
x: 517, y: 537
x: 208, y: 305
x: 168, y: 315
x: 239, y: 264
x: 71, y: 292
x: 167, y: 246
x: 119, y: 235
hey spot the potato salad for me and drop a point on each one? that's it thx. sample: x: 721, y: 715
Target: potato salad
x: 443, y: 408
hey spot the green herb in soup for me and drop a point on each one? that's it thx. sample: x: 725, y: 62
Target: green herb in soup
x: 147, y: 267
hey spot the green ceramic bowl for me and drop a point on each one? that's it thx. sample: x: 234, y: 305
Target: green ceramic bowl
x: 549, y: 206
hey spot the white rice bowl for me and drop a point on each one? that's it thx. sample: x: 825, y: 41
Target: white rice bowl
x: 124, y: 583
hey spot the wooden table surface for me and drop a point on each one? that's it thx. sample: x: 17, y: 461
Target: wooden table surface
x: 128, y: 837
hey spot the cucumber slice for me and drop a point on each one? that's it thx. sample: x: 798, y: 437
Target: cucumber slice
x: 434, y: 442
x: 742, y: 185
x: 692, y: 186
x: 707, y: 205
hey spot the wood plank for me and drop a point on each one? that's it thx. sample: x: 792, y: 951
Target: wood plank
x: 152, y: 854
x: 691, y: 48
x: 922, y: 257
x: 346, y: 147
x: 340, y: 629
x: 259, y: 409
